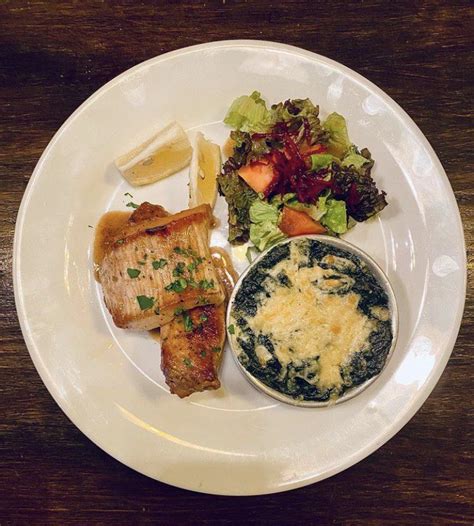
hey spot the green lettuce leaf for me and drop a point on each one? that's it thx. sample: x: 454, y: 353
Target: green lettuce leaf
x: 280, y: 200
x: 339, y: 141
x: 266, y: 234
x: 249, y: 113
x: 321, y: 203
x: 262, y: 211
x: 321, y: 160
x: 264, y: 231
x: 335, y: 217
x: 355, y: 159
x: 316, y: 211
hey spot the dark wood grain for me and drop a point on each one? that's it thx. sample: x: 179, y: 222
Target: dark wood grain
x: 52, y: 57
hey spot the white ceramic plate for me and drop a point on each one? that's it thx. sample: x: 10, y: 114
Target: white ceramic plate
x: 235, y: 441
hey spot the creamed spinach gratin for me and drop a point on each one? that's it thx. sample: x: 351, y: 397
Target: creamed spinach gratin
x: 311, y: 320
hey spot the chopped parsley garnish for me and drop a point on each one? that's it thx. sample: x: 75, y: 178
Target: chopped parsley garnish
x: 195, y: 263
x: 145, y: 302
x: 204, y: 284
x: 201, y: 300
x: 141, y: 262
x: 120, y: 241
x: 178, y: 285
x: 160, y: 263
x: 216, y: 349
x: 231, y: 329
x: 179, y: 269
x: 182, y: 283
x: 203, y: 353
x: 203, y: 317
x: 189, y: 252
x: 188, y: 322
x: 133, y: 272
x: 129, y: 195
x: 132, y: 205
x: 192, y: 283
x: 187, y: 362
x: 90, y: 226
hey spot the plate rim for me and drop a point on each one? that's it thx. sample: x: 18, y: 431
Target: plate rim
x: 431, y: 380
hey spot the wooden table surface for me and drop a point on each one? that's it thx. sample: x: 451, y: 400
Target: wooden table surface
x: 54, y: 56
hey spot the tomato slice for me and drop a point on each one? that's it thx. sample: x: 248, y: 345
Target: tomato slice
x: 258, y: 175
x: 297, y: 223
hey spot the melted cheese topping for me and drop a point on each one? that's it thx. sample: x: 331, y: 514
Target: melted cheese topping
x: 311, y: 320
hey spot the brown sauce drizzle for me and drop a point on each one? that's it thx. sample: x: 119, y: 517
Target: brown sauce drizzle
x: 224, y: 268
x: 155, y: 334
x: 105, y: 234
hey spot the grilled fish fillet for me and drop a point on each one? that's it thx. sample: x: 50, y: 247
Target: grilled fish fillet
x: 191, y: 350
x: 157, y: 264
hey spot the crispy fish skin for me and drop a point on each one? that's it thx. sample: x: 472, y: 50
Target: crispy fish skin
x: 190, y: 360
x: 178, y: 241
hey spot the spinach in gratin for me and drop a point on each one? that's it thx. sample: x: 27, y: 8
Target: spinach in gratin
x: 311, y: 321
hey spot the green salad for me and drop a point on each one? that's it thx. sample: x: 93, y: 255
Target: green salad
x: 291, y: 174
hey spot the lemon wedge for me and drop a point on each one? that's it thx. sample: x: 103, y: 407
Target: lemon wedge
x: 167, y: 152
x: 205, y: 166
